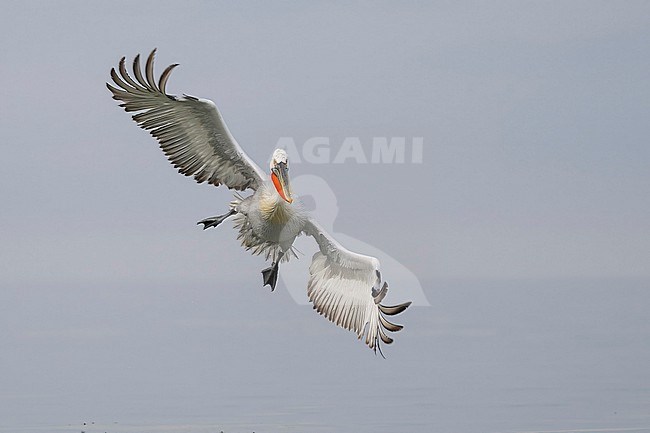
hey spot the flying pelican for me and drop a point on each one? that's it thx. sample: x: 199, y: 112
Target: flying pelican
x: 344, y: 286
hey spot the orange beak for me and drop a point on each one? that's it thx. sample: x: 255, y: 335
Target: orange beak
x: 280, y: 178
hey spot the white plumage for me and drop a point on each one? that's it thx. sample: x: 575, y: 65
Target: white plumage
x: 344, y: 286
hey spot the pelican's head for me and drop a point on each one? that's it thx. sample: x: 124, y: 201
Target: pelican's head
x: 280, y: 174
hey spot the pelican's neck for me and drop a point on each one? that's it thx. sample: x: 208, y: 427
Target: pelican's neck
x: 273, y: 207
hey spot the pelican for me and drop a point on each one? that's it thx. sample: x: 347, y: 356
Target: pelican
x: 345, y: 287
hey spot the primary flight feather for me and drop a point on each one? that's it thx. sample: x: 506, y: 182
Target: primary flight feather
x: 344, y: 286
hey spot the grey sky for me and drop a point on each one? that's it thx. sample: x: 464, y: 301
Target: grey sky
x: 535, y: 166
x: 533, y: 116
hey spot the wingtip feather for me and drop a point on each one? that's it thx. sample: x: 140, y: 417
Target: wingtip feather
x: 149, y: 70
x: 391, y: 310
x: 392, y: 327
x: 164, y: 77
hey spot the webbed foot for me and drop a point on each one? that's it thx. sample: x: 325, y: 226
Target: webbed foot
x: 270, y: 276
x: 216, y: 220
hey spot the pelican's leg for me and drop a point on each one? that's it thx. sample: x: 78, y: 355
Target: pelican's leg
x: 270, y: 275
x: 216, y: 220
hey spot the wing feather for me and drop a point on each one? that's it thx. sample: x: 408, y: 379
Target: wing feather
x: 190, y: 131
x: 151, y: 81
x: 347, y: 289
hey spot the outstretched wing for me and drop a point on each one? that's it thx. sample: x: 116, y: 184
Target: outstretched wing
x: 347, y: 288
x: 190, y: 130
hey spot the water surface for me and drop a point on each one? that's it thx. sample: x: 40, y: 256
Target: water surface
x: 487, y: 356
